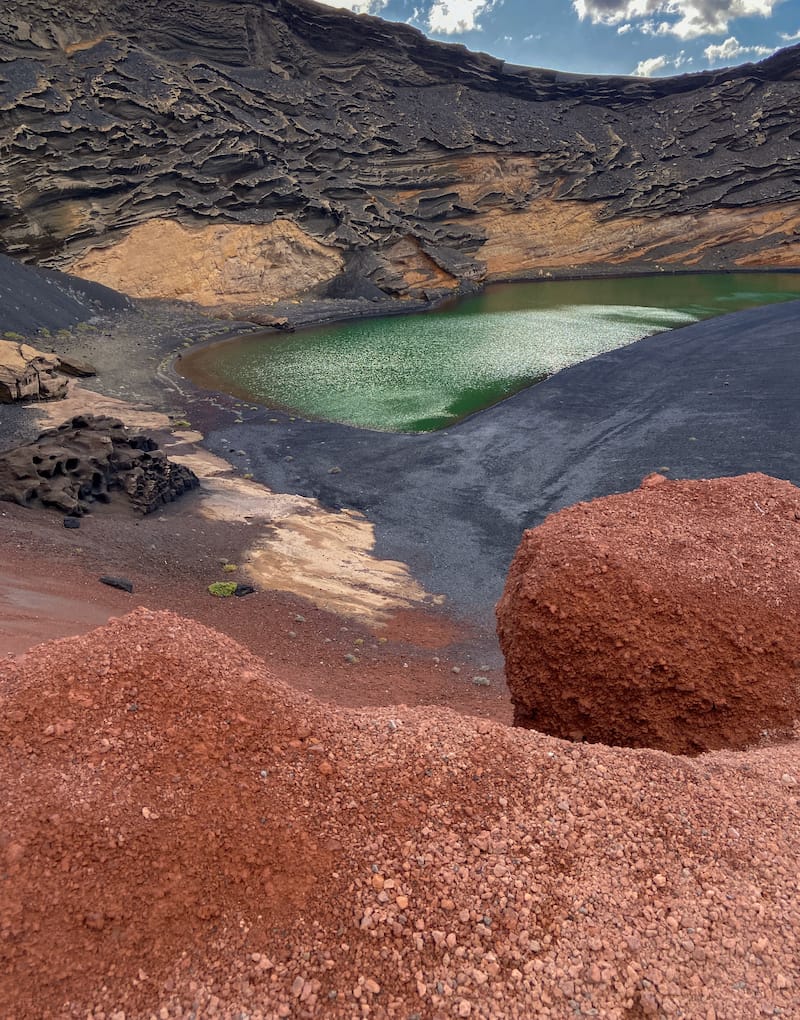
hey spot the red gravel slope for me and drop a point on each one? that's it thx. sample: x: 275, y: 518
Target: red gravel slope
x: 182, y: 834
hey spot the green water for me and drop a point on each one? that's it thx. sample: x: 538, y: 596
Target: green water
x: 421, y: 372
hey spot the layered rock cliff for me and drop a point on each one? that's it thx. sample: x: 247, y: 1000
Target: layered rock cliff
x: 240, y: 151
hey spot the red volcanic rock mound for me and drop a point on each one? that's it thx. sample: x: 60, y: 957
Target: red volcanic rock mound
x: 182, y: 835
x: 145, y: 802
x: 666, y: 617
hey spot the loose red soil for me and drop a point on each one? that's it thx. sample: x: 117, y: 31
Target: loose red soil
x: 665, y: 617
x: 49, y: 587
x: 184, y: 835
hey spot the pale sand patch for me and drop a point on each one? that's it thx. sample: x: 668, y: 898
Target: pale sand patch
x: 185, y: 436
x: 324, y: 557
x: 299, y: 547
x: 237, y: 499
x: 327, y: 558
x: 82, y: 401
x: 229, y: 497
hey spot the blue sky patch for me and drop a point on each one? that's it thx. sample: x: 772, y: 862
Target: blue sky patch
x: 645, y: 37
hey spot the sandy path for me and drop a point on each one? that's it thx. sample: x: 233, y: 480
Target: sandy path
x: 36, y: 606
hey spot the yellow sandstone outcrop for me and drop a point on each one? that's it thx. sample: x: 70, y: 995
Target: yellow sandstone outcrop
x: 27, y: 373
x: 557, y: 236
x: 222, y: 263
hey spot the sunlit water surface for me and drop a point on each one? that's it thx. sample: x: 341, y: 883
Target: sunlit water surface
x: 421, y: 372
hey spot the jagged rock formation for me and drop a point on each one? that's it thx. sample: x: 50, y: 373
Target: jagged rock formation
x: 659, y: 618
x: 365, y: 153
x: 86, y: 459
x: 29, y: 374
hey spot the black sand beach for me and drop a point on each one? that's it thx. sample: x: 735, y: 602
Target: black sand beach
x: 716, y: 398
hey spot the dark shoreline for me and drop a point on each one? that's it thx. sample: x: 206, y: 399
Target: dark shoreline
x: 316, y: 315
x: 713, y: 398
x: 326, y: 311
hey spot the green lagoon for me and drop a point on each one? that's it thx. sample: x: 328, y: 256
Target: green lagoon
x: 422, y: 372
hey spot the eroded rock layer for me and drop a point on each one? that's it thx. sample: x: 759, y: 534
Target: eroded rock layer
x: 344, y: 142
x: 660, y: 618
x: 29, y: 374
x: 84, y: 461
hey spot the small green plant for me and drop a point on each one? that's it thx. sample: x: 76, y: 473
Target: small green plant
x: 222, y: 589
x: 44, y: 331
x: 181, y: 423
x: 13, y: 336
x: 229, y: 567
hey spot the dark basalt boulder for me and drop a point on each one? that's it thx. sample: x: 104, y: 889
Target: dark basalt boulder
x: 84, y: 461
x: 122, y: 583
x: 72, y: 365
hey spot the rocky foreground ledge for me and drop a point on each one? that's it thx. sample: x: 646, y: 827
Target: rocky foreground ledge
x: 184, y: 834
x: 86, y: 460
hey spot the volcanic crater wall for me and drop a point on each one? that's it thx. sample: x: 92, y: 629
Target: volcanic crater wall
x: 366, y: 152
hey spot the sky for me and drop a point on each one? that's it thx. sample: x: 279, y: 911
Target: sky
x: 642, y: 37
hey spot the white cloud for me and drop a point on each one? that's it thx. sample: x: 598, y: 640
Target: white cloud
x: 791, y: 37
x: 688, y: 18
x: 732, y: 50
x: 358, y: 6
x: 647, y: 68
x: 451, y: 17
x: 726, y: 52
x: 624, y: 29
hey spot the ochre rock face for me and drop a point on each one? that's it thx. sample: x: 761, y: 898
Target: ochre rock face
x: 220, y: 263
x: 665, y: 617
x: 29, y: 374
x: 242, y: 137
